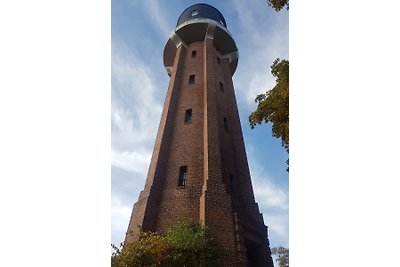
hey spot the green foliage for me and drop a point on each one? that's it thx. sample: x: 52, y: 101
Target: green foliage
x: 184, y: 244
x: 278, y: 4
x: 190, y: 246
x: 283, y: 256
x: 273, y: 106
x: 149, y: 250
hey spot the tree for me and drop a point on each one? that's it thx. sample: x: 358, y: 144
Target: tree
x: 283, y: 256
x: 278, y: 4
x: 184, y: 244
x: 273, y: 106
x: 149, y: 250
x: 190, y: 245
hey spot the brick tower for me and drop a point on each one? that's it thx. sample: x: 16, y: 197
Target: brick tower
x: 199, y: 166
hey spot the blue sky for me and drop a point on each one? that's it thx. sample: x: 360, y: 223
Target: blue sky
x: 140, y: 30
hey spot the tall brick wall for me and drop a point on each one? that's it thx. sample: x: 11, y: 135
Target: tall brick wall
x: 218, y: 191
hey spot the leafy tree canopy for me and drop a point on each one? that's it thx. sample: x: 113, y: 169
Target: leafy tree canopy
x: 273, y: 106
x: 283, y: 256
x: 278, y: 4
x: 184, y: 244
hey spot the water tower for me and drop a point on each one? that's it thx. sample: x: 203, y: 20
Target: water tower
x: 199, y: 167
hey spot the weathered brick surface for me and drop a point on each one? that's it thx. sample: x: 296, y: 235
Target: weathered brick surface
x: 218, y: 191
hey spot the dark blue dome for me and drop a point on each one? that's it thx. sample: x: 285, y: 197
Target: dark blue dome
x: 199, y: 11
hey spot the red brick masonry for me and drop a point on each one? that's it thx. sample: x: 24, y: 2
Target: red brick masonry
x: 218, y: 190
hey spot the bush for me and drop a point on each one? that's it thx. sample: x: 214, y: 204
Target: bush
x: 184, y: 244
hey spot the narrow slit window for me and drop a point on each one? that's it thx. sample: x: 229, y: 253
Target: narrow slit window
x: 194, y: 53
x: 221, y: 87
x: 182, y: 176
x: 219, y: 61
x: 188, y: 116
x: 226, y: 128
x: 191, y: 79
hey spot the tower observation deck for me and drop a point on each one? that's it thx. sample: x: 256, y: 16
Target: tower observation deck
x: 197, y: 23
x: 199, y: 168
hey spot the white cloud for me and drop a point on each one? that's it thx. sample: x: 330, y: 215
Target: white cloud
x: 134, y: 161
x: 119, y: 209
x: 135, y: 78
x: 267, y: 193
x: 270, y: 195
x: 278, y: 224
x: 129, y: 131
x: 159, y: 18
x: 259, y: 83
x: 120, y: 216
x: 244, y: 14
x: 273, y: 202
x: 135, y: 112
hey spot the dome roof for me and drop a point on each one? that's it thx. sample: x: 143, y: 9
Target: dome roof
x: 201, y: 11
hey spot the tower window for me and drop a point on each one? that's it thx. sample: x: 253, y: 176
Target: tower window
x: 221, y: 86
x: 226, y: 128
x: 219, y: 61
x: 188, y: 116
x: 182, y: 176
x: 194, y: 53
x: 191, y: 79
